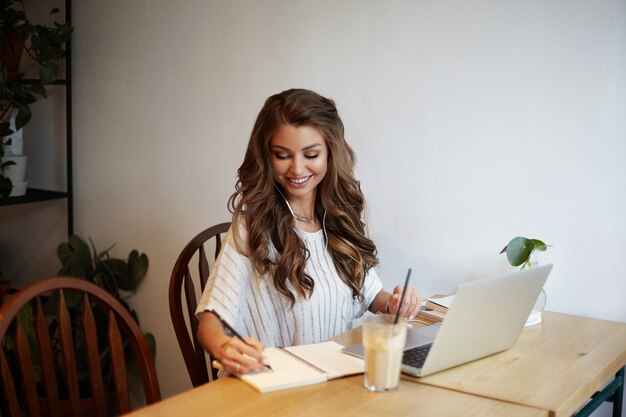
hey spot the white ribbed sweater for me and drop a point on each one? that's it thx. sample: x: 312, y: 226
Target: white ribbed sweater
x: 255, y: 308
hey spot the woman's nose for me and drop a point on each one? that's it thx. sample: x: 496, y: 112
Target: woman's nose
x: 297, y: 166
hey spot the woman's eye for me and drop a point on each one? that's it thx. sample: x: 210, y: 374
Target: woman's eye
x: 281, y: 156
x: 312, y: 156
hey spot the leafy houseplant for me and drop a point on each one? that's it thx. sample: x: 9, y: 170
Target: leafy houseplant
x: 119, y: 277
x: 46, y: 46
x: 519, y: 251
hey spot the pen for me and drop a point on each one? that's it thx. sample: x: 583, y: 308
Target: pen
x: 233, y: 331
x: 406, y: 285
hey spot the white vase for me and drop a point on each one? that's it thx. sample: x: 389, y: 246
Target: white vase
x: 542, y: 299
x: 16, y: 173
x: 19, y: 188
x: 17, y: 139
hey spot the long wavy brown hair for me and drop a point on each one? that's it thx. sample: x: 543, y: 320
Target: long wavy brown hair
x: 257, y: 200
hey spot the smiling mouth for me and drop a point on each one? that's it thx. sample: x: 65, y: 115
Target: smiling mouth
x: 298, y: 181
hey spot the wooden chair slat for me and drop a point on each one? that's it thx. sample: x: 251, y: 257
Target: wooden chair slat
x: 60, y: 349
x: 93, y: 359
x: 203, y: 267
x: 118, y: 363
x: 69, y: 359
x: 26, y: 369
x: 8, y: 388
x: 192, y: 304
x: 190, y: 292
x: 183, y: 317
x: 46, y: 360
x: 218, y: 245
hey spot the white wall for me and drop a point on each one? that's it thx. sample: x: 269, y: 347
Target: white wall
x: 473, y: 122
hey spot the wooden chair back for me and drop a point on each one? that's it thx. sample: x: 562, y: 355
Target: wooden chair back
x: 183, y: 317
x: 32, y: 370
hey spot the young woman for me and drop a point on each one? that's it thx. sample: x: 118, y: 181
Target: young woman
x: 296, y: 266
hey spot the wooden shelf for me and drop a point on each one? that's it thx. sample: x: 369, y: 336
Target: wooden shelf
x: 33, y: 195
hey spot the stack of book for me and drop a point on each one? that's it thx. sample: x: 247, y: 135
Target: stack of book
x: 436, y: 307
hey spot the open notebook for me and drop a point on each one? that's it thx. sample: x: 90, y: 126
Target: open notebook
x: 296, y: 366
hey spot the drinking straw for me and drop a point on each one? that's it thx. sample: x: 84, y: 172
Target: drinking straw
x: 406, y: 285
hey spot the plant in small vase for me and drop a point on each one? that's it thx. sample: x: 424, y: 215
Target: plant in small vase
x: 6, y: 184
x: 46, y: 46
x: 15, y: 101
x: 521, y: 251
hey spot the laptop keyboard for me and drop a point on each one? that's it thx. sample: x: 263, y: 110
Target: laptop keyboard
x: 416, y: 356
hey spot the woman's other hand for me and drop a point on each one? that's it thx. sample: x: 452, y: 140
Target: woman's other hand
x: 410, y: 305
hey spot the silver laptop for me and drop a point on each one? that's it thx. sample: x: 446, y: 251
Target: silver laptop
x: 486, y: 316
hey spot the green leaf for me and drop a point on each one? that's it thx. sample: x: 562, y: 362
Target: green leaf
x: 26, y: 318
x: 47, y: 74
x: 151, y: 341
x: 518, y: 250
x: 23, y: 117
x: 131, y: 364
x: 39, y: 89
x: 75, y: 258
x: 5, y: 129
x: 138, y: 265
x: 539, y: 245
x: 73, y: 301
x: 5, y: 186
x: 116, y: 270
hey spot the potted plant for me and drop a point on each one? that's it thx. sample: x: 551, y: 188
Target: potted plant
x: 520, y: 251
x: 119, y: 277
x: 46, y: 46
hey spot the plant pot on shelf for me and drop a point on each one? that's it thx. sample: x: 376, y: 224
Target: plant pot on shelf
x: 16, y: 173
x: 14, y: 143
x: 13, y: 151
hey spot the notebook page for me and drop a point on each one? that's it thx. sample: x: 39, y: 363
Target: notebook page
x: 329, y: 357
x: 288, y: 372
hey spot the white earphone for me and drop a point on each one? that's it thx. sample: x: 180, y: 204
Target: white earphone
x: 294, y: 216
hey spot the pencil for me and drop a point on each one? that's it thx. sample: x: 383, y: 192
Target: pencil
x: 233, y: 331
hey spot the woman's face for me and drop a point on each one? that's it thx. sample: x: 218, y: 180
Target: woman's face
x: 299, y: 159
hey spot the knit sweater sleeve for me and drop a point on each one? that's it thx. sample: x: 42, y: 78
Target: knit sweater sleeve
x: 227, y: 281
x: 371, y: 287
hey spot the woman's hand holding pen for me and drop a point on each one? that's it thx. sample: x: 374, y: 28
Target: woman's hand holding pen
x: 411, y: 305
x: 241, y: 357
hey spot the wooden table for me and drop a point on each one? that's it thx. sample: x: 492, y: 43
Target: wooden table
x: 554, y: 368
x: 341, y: 397
x: 556, y: 365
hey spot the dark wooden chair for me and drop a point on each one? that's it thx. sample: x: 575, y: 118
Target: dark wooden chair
x: 32, y: 370
x: 183, y: 317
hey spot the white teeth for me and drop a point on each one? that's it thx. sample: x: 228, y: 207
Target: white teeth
x: 298, y: 180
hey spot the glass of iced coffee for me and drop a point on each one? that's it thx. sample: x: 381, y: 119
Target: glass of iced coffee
x: 383, y: 342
